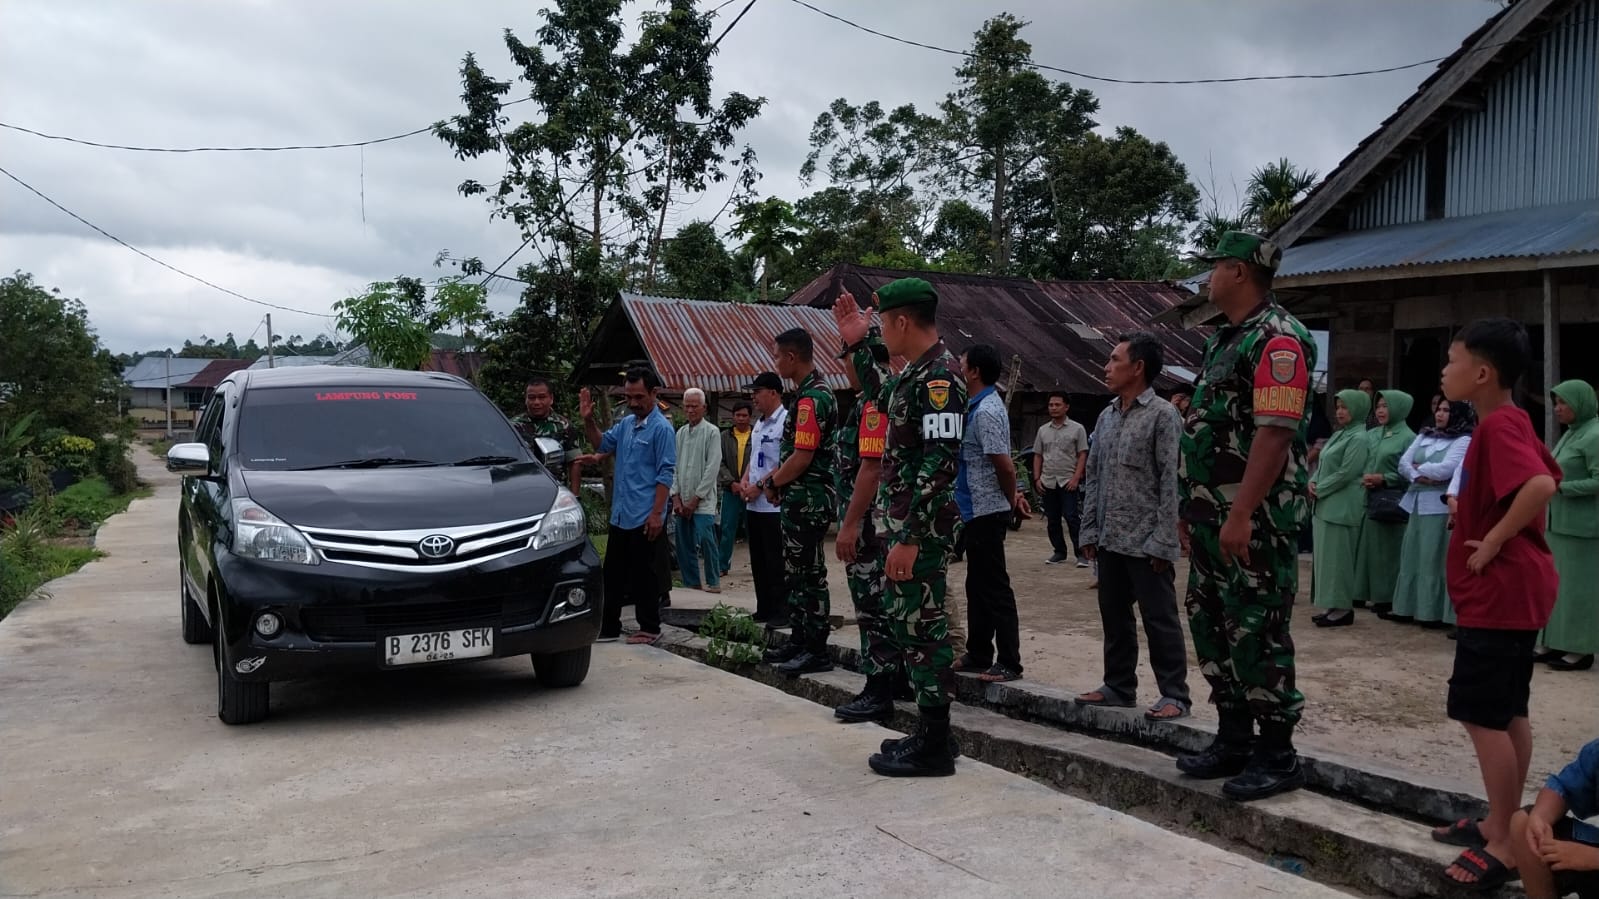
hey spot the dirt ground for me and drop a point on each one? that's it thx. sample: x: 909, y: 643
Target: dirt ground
x: 1375, y: 690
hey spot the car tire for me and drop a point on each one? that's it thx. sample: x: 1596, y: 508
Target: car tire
x: 196, y: 630
x: 563, y: 669
x: 238, y: 702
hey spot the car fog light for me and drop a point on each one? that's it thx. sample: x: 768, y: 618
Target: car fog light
x: 268, y: 624
x: 576, y: 598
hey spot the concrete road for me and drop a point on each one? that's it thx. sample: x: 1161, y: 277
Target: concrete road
x: 657, y: 777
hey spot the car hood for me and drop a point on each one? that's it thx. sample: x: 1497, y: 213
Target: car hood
x: 387, y: 499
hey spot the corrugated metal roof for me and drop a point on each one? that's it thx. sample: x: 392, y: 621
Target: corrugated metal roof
x: 291, y: 361
x: 151, y: 371
x: 1539, y: 232
x: 209, y: 377
x: 1062, y: 330
x: 723, y: 346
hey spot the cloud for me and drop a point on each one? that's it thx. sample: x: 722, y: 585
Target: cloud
x: 288, y: 227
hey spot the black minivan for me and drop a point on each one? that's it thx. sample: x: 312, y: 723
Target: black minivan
x: 340, y: 518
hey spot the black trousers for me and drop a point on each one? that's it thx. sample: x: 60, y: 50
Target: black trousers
x: 766, y: 563
x: 1060, y: 503
x: 990, y: 601
x: 633, y: 565
x: 1123, y: 582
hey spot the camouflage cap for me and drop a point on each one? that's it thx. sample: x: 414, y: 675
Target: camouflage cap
x: 905, y: 292
x: 1245, y: 246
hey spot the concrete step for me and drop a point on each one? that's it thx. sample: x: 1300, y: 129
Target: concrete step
x: 1321, y: 834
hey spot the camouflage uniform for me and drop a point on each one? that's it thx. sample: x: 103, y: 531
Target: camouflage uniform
x: 1254, y: 374
x: 554, y: 426
x: 926, y: 409
x: 861, y: 436
x: 809, y: 505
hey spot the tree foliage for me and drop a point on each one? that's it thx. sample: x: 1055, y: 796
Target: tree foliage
x: 698, y: 265
x: 769, y: 229
x: 1273, y: 191
x: 395, y: 320
x: 52, y: 365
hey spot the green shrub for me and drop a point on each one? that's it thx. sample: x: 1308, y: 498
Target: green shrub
x: 596, y: 511
x: 112, y: 462
x: 75, y: 454
x: 735, y: 638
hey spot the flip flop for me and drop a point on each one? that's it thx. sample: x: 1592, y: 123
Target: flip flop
x: 1490, y: 872
x: 643, y: 639
x: 1107, y: 699
x: 1153, y: 713
x: 1463, y: 833
x: 999, y: 674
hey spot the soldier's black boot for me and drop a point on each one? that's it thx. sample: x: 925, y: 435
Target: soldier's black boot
x: 1226, y: 755
x: 896, y: 745
x: 814, y: 659
x: 1274, y: 768
x: 777, y: 655
x: 875, y: 702
x: 926, y: 753
x: 903, y: 689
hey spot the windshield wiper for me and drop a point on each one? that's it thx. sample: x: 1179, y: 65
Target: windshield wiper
x: 371, y: 462
x: 488, y: 460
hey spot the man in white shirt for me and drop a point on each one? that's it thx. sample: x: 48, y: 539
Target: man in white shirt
x: 763, y: 523
x: 1060, y: 455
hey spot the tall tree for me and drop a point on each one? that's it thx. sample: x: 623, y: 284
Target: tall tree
x: 1002, y: 120
x: 1273, y: 190
x: 51, y: 363
x: 698, y: 265
x: 769, y: 232
x: 616, y: 129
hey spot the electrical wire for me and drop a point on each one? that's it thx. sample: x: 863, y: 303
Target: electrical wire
x: 1236, y: 79
x: 166, y: 265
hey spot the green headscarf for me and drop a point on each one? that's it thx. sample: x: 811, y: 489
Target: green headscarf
x: 1580, y: 396
x: 1399, y: 405
x: 1359, y: 406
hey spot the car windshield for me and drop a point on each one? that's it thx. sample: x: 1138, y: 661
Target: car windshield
x: 296, y: 428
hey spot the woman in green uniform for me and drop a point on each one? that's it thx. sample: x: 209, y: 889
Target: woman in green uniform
x: 1572, y: 636
x: 1429, y: 465
x: 1339, y: 512
x: 1380, y: 541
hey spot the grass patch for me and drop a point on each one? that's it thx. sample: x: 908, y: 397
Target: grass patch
x: 88, y: 503
x: 160, y: 447
x: 21, y: 575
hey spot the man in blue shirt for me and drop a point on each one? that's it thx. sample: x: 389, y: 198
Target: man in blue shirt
x: 985, y: 492
x: 645, y: 447
x: 1557, y: 853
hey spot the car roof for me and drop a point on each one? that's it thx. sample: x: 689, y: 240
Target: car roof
x: 343, y: 376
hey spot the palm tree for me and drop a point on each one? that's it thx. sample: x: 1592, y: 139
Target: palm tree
x: 769, y: 230
x: 1212, y: 225
x: 1273, y: 190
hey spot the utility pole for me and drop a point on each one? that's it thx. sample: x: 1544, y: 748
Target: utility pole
x: 169, y: 394
x: 270, y: 363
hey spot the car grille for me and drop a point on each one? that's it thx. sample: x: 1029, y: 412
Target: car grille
x: 365, y: 623
x: 399, y: 550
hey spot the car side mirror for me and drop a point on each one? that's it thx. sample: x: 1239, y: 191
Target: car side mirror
x: 190, y: 460
x: 549, y: 451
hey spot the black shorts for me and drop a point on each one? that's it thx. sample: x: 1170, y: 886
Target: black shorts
x: 1584, y: 883
x: 1492, y: 680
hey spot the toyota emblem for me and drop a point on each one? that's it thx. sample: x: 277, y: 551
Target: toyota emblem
x: 435, y: 546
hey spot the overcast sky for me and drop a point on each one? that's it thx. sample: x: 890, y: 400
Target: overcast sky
x: 288, y: 227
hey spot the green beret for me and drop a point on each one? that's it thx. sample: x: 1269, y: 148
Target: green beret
x: 905, y: 292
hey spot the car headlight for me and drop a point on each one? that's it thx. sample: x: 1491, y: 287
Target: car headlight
x: 563, y: 524
x: 258, y: 534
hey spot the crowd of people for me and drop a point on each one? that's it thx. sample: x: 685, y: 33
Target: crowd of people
x: 1472, y: 525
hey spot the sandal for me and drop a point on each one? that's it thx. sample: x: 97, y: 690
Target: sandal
x: 1464, y: 833
x: 997, y: 674
x: 1153, y: 713
x: 1107, y: 699
x: 1490, y: 872
x: 643, y: 639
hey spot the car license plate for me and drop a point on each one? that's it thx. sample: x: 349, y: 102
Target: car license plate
x: 439, y: 646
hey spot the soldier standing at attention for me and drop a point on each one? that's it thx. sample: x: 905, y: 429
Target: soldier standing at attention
x: 926, y: 409
x: 860, y: 465
x: 541, y: 420
x: 1243, y: 486
x: 807, y: 498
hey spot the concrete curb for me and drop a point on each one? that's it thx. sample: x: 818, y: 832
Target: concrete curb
x: 1332, y: 840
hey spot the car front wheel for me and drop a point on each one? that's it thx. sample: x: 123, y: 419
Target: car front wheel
x: 562, y: 669
x: 238, y: 702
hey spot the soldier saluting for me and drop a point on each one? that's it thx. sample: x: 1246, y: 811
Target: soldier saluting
x: 926, y: 409
x: 1242, y: 487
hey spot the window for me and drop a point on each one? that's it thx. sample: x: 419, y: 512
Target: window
x: 285, y: 428
x: 1437, y: 175
x: 194, y: 399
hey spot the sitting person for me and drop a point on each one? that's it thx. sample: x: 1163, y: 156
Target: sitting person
x: 1557, y: 853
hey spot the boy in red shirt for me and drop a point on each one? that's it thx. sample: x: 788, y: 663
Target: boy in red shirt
x: 1502, y: 581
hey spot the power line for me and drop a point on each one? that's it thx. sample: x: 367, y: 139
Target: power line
x: 107, y: 234
x: 1236, y: 79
